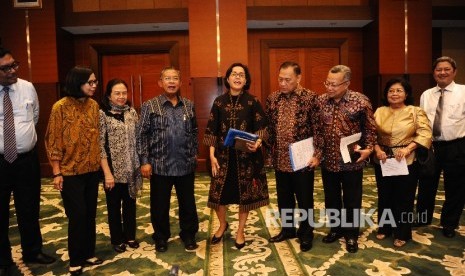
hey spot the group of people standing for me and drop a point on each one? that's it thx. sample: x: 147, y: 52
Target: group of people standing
x: 86, y: 141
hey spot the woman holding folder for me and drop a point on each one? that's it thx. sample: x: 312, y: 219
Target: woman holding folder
x: 238, y: 175
x: 401, y: 128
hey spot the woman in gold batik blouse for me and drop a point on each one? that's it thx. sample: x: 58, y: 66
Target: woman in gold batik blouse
x: 401, y: 128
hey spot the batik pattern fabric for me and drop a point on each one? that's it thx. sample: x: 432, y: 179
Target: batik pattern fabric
x: 72, y: 136
x: 246, y: 114
x: 118, y: 146
x: 292, y: 118
x: 352, y: 114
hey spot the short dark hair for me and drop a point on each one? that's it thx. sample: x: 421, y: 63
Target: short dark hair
x: 105, y: 105
x: 4, y: 52
x: 75, y: 78
x: 407, y: 88
x: 248, y: 79
x: 294, y: 65
x: 445, y: 59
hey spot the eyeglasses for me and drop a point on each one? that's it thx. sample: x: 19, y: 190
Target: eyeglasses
x: 238, y: 75
x: 333, y: 85
x: 92, y: 82
x: 175, y: 79
x: 396, y: 91
x: 11, y: 67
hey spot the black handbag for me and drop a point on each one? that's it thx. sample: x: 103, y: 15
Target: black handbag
x: 426, y: 161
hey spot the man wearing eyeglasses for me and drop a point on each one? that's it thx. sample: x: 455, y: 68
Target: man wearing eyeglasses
x: 344, y: 112
x: 291, y: 112
x: 167, y: 145
x: 19, y: 164
x: 444, y: 105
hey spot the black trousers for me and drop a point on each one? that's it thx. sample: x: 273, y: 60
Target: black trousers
x: 160, y: 197
x: 397, y: 195
x: 80, y: 201
x: 289, y: 187
x: 343, y: 193
x: 22, y: 178
x: 122, y: 221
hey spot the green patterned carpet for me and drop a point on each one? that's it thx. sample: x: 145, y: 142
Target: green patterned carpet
x: 428, y: 254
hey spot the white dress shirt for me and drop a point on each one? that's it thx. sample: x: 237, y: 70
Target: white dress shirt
x: 453, y: 112
x: 26, y: 114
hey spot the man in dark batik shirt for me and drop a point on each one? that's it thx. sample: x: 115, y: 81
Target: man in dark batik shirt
x: 344, y: 112
x: 291, y: 114
x: 167, y: 145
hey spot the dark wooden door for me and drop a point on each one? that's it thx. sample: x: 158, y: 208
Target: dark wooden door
x: 140, y: 71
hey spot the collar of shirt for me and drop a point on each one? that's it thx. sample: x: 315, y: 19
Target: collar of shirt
x: 449, y: 88
x: 164, y: 99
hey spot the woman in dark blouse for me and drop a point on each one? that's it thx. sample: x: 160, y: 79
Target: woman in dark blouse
x: 238, y: 177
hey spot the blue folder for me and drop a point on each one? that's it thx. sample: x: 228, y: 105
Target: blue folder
x: 233, y: 133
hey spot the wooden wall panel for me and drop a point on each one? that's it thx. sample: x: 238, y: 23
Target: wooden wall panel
x: 233, y: 33
x: 42, y: 31
x: 111, y: 5
x: 140, y: 4
x: 391, y: 37
x: 202, y: 38
x: 205, y: 92
x: 419, y: 37
x: 160, y: 4
x: 86, y: 5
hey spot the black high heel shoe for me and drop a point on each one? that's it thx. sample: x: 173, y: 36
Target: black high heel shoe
x: 216, y: 239
x: 239, y: 245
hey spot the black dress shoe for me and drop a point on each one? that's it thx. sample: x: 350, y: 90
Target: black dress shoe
x: 305, y: 246
x: 190, y: 244
x: 282, y: 236
x: 75, y: 270
x: 448, y: 232
x: 161, y: 245
x: 216, y: 239
x: 351, y: 245
x: 133, y: 244
x: 4, y: 271
x: 40, y: 258
x: 331, y: 237
x: 94, y: 261
x: 120, y: 248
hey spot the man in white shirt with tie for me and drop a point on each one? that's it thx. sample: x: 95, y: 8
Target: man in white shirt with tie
x: 19, y: 164
x: 445, y: 106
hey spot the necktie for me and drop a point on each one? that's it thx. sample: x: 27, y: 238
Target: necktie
x: 9, y: 138
x: 438, y: 116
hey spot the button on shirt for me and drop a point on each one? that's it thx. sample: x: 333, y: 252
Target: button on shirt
x: 453, y: 112
x: 167, y: 136
x: 26, y: 115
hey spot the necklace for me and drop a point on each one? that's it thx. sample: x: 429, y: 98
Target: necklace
x: 234, y: 107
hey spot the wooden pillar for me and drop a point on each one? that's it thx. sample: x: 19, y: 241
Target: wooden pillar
x: 404, y: 34
x: 217, y: 38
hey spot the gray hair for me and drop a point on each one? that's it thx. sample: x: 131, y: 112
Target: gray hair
x: 342, y: 69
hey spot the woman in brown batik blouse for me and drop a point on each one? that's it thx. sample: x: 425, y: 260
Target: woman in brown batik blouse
x: 238, y: 177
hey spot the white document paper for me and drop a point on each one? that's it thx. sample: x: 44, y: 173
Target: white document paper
x: 345, y: 142
x: 393, y: 167
x: 300, y: 153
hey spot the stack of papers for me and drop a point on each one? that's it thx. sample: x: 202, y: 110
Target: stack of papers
x: 300, y: 153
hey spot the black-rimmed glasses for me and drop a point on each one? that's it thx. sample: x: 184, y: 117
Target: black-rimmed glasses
x: 9, y: 68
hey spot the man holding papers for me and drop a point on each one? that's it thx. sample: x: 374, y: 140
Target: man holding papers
x: 291, y: 115
x: 344, y: 113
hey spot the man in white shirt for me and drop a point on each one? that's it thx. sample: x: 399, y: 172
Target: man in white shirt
x: 449, y: 145
x: 19, y: 164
